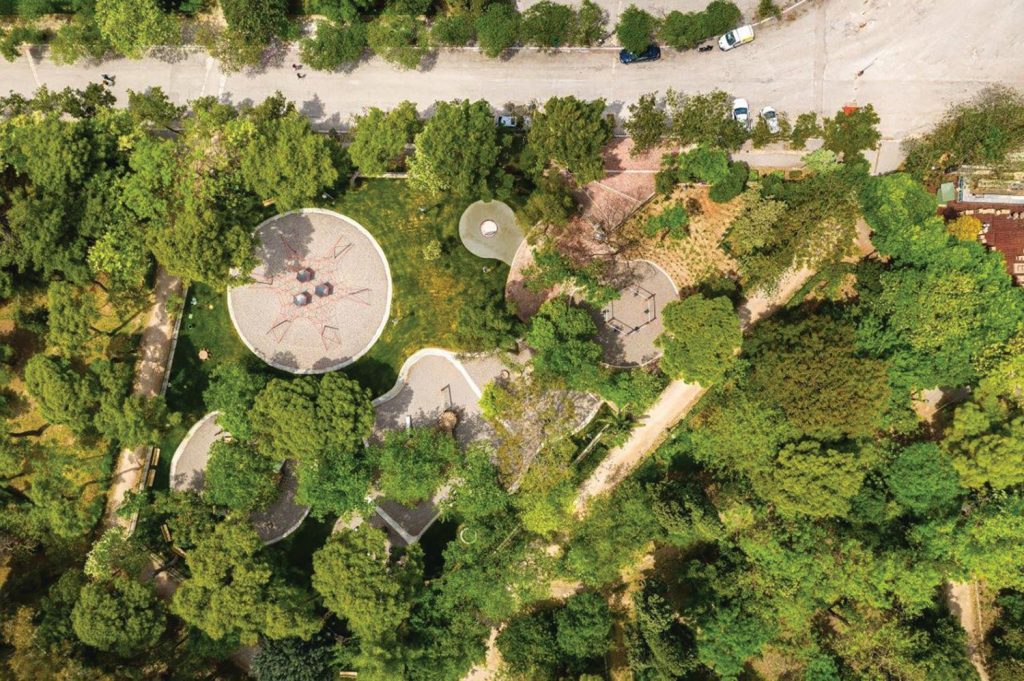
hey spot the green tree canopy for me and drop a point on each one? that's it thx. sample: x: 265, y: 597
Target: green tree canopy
x: 287, y: 162
x: 814, y: 480
x: 849, y: 134
x: 584, y: 626
x: 457, y: 151
x: 413, y: 463
x: 563, y: 336
x: 61, y: 393
x: 811, y: 370
x: 700, y: 338
x: 73, y: 313
x: 647, y: 123
x: 571, y: 134
x: 118, y: 615
x: 133, y: 26
x: 923, y: 479
x: 359, y: 580
x: 233, y: 591
x: 635, y: 29
x: 306, y: 417
x: 239, y: 477
x: 232, y: 391
x: 497, y: 28
x: 379, y: 138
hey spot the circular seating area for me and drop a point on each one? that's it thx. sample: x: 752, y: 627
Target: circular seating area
x: 319, y: 297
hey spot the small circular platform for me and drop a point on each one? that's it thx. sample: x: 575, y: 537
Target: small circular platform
x: 319, y: 297
x: 488, y: 229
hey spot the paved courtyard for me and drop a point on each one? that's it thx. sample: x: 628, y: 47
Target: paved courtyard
x: 319, y: 297
x: 188, y: 466
x: 628, y: 327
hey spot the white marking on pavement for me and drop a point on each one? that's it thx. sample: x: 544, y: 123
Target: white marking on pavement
x: 220, y: 86
x: 206, y: 78
x: 32, y: 65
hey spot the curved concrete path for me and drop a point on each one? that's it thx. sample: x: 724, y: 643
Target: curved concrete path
x: 188, y: 466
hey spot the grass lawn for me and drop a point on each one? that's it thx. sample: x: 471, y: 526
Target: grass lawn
x: 425, y: 300
x: 427, y: 294
x: 205, y: 325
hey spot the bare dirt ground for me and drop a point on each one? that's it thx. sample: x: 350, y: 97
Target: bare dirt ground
x: 690, y: 260
x: 964, y: 602
x: 154, y: 354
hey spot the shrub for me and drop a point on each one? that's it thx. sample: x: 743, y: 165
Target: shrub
x: 590, y: 24
x: 806, y: 127
x: 732, y: 186
x: 453, y: 31
x: 703, y: 164
x: 965, y: 228
x: 333, y: 46
x: 672, y: 221
x: 685, y: 31
x: 635, y: 29
x: 398, y: 38
x: 767, y: 8
x: 497, y: 28
x: 821, y: 161
x: 547, y: 24
x: 12, y: 40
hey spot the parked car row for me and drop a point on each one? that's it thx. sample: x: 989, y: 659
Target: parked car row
x: 732, y: 39
x: 741, y: 114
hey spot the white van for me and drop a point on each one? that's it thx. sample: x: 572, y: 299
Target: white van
x: 736, y: 37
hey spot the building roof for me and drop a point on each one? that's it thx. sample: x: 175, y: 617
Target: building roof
x: 1002, y: 230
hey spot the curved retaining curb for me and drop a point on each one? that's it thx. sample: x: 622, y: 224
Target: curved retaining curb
x: 181, y: 449
x: 407, y: 365
x: 387, y: 306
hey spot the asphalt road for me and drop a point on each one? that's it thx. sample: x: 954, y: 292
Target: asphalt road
x: 915, y: 57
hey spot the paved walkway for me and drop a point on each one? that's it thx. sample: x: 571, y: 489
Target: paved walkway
x: 154, y: 356
x: 673, y: 405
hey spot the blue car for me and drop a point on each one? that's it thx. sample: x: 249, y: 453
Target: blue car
x: 652, y: 53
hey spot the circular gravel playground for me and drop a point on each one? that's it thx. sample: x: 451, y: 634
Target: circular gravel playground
x: 319, y: 297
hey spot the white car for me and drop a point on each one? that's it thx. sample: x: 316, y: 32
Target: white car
x: 741, y: 111
x: 771, y: 119
x: 736, y: 37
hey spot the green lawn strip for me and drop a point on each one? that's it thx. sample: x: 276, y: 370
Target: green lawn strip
x: 427, y: 294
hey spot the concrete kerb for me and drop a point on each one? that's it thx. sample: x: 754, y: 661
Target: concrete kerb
x: 387, y: 307
x: 408, y: 364
x: 185, y: 440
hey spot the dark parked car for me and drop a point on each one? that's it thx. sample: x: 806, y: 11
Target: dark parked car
x: 652, y: 53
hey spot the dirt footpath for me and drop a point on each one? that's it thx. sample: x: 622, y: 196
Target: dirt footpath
x: 154, y: 355
x: 674, y: 404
